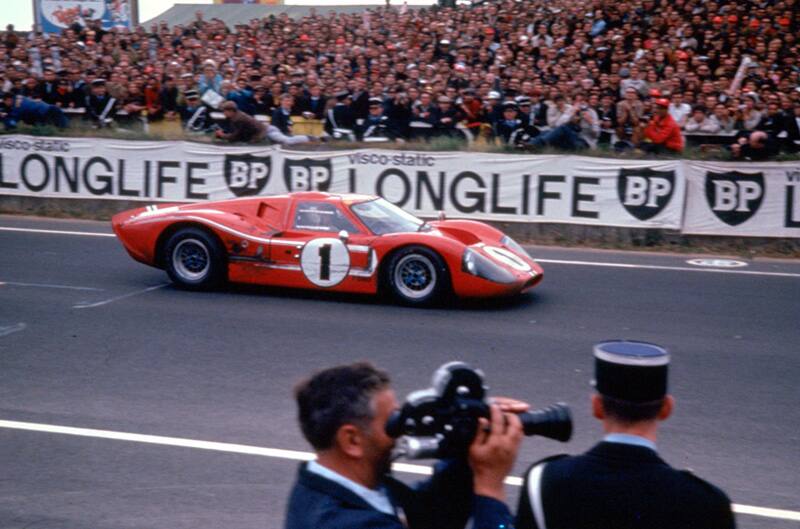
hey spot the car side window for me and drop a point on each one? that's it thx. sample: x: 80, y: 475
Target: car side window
x: 321, y: 216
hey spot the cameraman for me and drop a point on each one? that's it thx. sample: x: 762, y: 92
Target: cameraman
x: 622, y: 483
x: 343, y: 412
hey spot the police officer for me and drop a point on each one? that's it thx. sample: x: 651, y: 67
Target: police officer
x: 377, y: 126
x: 195, y: 116
x: 100, y: 106
x: 339, y: 119
x: 510, y: 129
x: 622, y: 483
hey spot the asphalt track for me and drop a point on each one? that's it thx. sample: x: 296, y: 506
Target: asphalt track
x: 92, y: 341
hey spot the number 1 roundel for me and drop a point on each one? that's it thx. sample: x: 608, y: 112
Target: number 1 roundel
x: 325, y: 262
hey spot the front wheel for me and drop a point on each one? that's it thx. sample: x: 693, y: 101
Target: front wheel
x: 417, y: 276
x: 195, y: 259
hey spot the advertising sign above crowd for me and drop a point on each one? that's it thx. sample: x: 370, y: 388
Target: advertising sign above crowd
x: 695, y: 197
x: 54, y: 16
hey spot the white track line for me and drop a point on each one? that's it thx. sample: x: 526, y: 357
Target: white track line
x: 58, y: 232
x: 11, y: 329
x: 674, y: 268
x: 87, y: 305
x: 46, y: 285
x: 550, y: 261
x: 295, y: 455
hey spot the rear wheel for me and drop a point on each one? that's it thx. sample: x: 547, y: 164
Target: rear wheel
x: 417, y: 276
x: 195, y: 259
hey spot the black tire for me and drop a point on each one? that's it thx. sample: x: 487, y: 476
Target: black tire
x: 195, y: 260
x: 417, y: 276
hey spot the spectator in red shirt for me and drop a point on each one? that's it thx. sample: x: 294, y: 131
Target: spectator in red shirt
x: 662, y: 133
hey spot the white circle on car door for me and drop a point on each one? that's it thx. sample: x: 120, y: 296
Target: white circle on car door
x: 325, y: 262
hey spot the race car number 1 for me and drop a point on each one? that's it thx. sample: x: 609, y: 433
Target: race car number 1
x: 325, y: 262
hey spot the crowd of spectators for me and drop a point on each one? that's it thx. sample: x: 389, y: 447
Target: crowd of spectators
x: 565, y: 73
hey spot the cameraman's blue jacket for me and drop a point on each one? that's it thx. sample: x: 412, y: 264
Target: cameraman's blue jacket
x: 445, y: 501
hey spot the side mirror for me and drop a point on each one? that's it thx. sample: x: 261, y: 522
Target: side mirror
x: 344, y: 236
x: 442, y: 215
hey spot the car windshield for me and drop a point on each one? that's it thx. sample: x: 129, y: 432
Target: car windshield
x: 383, y: 217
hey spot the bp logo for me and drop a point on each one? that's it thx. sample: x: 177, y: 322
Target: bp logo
x: 307, y: 174
x: 247, y: 175
x: 734, y: 197
x: 645, y: 192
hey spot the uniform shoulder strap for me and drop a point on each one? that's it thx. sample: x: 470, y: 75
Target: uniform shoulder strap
x: 530, y: 512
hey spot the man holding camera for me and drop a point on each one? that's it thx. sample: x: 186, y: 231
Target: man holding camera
x: 622, y: 483
x: 343, y: 413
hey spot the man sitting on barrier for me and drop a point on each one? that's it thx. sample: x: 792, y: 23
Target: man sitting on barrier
x: 280, y: 128
x: 578, y: 127
x: 662, y: 133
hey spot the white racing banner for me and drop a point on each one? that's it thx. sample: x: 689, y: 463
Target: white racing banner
x: 567, y: 189
x: 156, y: 171
x: 513, y: 188
x: 753, y: 199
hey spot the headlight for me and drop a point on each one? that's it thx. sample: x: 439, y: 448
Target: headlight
x: 511, y: 243
x: 478, y: 265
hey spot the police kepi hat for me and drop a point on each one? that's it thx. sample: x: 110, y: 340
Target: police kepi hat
x: 631, y: 371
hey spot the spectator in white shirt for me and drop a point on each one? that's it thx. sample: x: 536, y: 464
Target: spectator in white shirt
x: 560, y: 113
x: 700, y: 123
x: 722, y: 119
x: 679, y: 110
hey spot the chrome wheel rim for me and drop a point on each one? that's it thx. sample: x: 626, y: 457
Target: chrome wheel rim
x: 415, y: 276
x: 191, y: 260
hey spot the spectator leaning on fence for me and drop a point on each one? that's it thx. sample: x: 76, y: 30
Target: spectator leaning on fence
x: 17, y: 109
x: 239, y: 126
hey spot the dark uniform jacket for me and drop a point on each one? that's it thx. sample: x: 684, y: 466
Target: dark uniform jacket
x: 315, y: 106
x: 100, y: 107
x: 195, y: 118
x: 505, y: 129
x: 443, y: 502
x: 378, y: 127
x: 621, y: 486
x: 445, y: 127
x: 792, y: 127
x: 47, y: 92
x: 339, y: 117
x: 772, y: 124
x: 360, y: 106
x: 282, y: 120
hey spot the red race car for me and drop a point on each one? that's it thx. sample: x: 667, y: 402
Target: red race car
x: 345, y: 243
